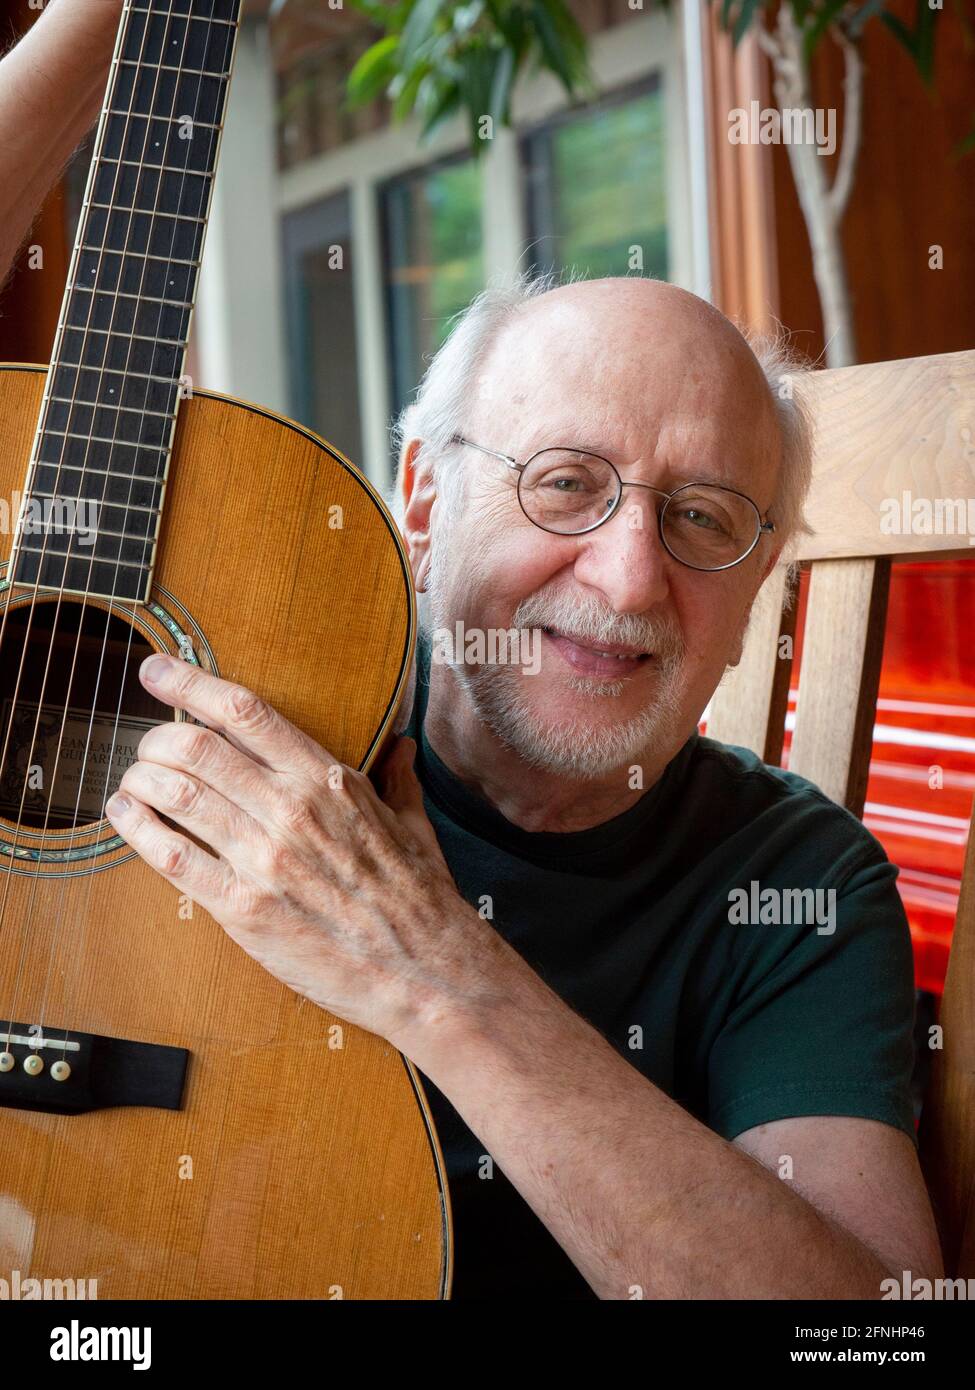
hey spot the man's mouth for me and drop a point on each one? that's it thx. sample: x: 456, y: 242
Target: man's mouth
x: 591, y: 659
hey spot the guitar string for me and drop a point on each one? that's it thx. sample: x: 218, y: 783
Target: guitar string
x: 114, y: 606
x: 79, y: 945
x: 42, y: 427
x: 59, y: 917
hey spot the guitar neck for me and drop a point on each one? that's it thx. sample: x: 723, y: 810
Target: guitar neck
x: 101, y: 452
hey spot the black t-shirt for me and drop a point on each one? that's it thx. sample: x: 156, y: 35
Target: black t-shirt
x: 656, y: 926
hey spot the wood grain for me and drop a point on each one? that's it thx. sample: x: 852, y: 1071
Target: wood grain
x: 315, y: 1168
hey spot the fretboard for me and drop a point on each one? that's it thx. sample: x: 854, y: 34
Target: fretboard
x: 97, y: 479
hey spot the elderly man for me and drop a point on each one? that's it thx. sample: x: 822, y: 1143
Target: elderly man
x: 644, y: 1087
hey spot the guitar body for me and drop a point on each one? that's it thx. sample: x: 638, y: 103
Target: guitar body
x: 301, y: 1161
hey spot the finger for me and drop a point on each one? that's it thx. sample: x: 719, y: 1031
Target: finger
x: 403, y: 794
x: 207, y: 880
x: 204, y: 754
x: 249, y: 722
x: 197, y: 808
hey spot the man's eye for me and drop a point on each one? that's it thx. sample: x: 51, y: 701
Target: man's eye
x: 566, y: 483
x: 703, y: 520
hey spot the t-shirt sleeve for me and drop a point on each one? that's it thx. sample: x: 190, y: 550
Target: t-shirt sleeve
x: 822, y: 1022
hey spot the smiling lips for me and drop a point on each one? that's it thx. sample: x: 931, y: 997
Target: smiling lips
x: 609, y: 659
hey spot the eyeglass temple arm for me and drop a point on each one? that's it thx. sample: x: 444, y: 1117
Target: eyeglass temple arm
x: 506, y: 458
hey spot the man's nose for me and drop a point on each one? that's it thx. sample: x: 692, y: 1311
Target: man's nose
x: 625, y: 558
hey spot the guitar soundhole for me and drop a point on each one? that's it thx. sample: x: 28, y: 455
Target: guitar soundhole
x: 72, y: 711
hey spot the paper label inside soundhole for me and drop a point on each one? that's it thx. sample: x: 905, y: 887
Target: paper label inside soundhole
x: 111, y: 743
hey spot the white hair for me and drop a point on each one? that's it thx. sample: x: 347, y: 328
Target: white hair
x: 440, y: 408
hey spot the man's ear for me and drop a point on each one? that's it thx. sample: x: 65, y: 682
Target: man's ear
x: 419, y: 496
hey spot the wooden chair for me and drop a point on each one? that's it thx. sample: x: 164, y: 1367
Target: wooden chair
x: 882, y: 429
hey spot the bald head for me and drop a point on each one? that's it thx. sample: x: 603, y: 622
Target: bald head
x: 637, y: 369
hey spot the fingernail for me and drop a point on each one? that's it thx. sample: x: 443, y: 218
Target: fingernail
x: 153, y: 669
x: 118, y: 804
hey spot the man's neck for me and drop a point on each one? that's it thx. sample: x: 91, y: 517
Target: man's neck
x: 530, y: 798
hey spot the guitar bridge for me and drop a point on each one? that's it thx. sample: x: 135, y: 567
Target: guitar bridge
x: 65, y: 1072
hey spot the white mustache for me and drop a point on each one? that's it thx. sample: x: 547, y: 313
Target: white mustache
x: 591, y: 621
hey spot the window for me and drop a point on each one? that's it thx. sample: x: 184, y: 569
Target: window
x: 431, y: 221
x: 321, y: 323
x: 595, y: 187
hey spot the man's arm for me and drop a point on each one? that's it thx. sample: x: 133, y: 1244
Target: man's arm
x: 347, y: 898
x: 642, y: 1196
x: 51, y: 89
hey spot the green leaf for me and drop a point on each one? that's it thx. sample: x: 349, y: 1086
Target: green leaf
x: 821, y: 22
x: 419, y: 29
x: 919, y: 42
x: 559, y: 42
x: 406, y: 94
x: 440, y: 110
x: 504, y: 72
x: 866, y: 11
x: 373, y: 72
x: 745, y: 16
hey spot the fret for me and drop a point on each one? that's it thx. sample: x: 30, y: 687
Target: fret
x: 144, y: 232
x: 160, y: 321
x: 81, y: 576
x: 128, y: 186
x: 122, y: 207
x: 157, y: 143
x: 99, y: 251
x: 168, y: 92
x: 133, y: 409
x: 111, y: 518
x: 201, y: 8
x: 121, y: 352
x: 74, y: 576
x: 153, y: 168
x: 132, y: 273
x: 96, y: 485
x: 169, y: 67
x: 207, y: 125
x: 109, y: 410
x: 188, y: 42
x: 135, y: 552
x: 123, y: 374
x: 108, y: 423
x: 82, y: 451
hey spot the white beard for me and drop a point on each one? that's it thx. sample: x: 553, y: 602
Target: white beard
x: 582, y: 749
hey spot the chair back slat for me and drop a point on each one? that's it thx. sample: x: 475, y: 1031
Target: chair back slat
x: 893, y: 478
x: 749, y: 706
x: 948, y: 1119
x: 842, y: 647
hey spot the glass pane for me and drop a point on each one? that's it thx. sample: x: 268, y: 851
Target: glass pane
x: 433, y: 265
x: 321, y: 323
x: 595, y: 186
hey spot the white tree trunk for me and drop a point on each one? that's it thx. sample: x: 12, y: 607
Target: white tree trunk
x: 822, y: 206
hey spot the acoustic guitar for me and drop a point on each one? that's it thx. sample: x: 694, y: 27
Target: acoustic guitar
x: 175, y: 1122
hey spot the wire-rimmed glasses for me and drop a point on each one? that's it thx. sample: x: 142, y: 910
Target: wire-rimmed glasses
x: 569, y: 491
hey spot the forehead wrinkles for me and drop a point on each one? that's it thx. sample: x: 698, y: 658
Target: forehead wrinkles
x: 682, y: 389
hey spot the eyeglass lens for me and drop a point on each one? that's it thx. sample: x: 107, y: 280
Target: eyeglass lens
x: 568, y: 492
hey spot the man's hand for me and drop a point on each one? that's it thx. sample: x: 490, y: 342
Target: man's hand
x: 343, y: 896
